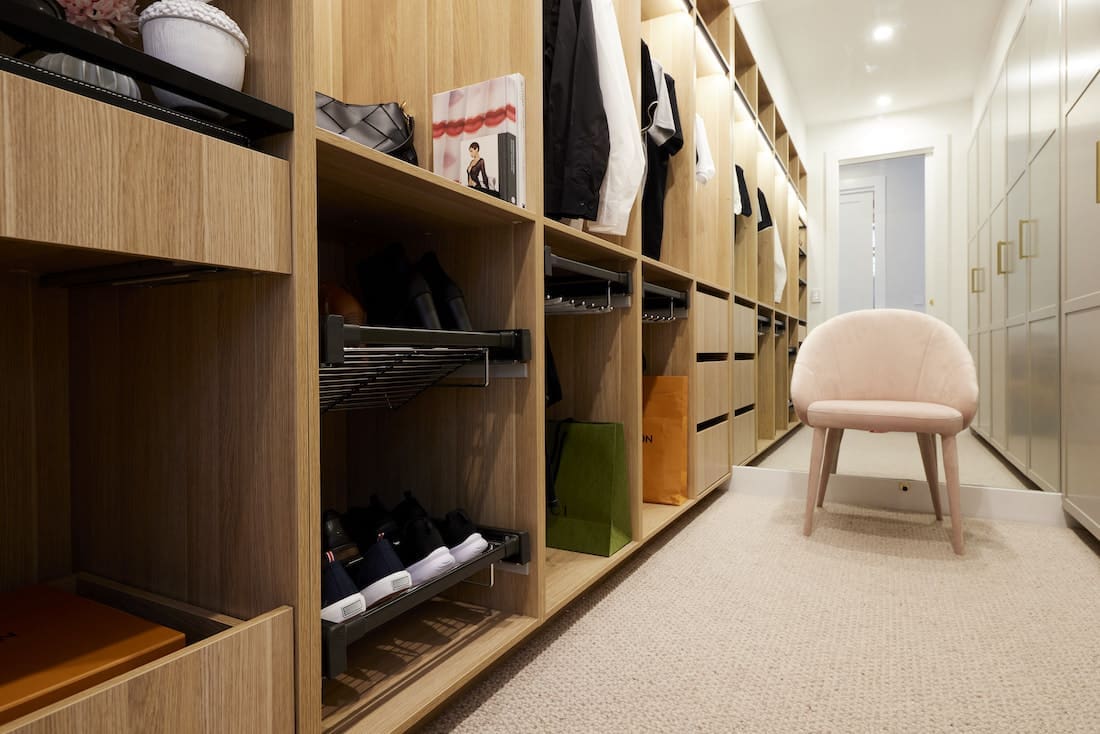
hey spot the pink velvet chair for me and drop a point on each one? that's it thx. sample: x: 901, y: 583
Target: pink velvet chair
x: 882, y: 371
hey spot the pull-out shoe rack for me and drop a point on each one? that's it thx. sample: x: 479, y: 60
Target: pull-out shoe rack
x: 383, y: 367
x: 505, y: 546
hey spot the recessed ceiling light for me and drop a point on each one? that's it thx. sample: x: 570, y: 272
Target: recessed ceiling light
x: 882, y: 33
x: 883, y: 100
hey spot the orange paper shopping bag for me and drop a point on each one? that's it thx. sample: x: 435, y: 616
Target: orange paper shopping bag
x: 665, y: 439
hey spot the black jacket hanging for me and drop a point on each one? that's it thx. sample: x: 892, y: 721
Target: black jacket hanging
x: 743, y: 192
x: 765, y: 220
x: 657, y: 156
x: 576, y: 145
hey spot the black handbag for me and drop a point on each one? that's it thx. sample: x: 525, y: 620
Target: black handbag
x: 383, y: 127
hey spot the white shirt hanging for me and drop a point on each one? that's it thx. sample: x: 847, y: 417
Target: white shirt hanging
x: 780, y: 267
x: 704, y: 161
x: 626, y: 161
x: 664, y: 124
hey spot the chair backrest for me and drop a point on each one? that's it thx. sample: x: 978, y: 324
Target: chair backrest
x: 885, y: 354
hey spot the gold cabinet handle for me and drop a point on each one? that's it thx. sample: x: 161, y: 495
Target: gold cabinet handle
x: 1000, y: 257
x: 977, y: 280
x: 1025, y: 229
x: 973, y: 284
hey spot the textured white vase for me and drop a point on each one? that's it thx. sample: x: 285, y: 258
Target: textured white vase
x: 194, y: 36
x: 75, y: 68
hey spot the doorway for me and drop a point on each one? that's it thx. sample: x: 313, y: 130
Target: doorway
x: 882, y: 235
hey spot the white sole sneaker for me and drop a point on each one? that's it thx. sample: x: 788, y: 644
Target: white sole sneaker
x: 386, y: 587
x: 344, y: 609
x: 470, y: 548
x: 434, y: 564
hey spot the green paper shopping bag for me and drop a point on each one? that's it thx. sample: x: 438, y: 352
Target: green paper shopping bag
x: 588, y: 497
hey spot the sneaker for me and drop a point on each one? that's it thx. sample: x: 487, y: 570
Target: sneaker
x: 367, y: 524
x: 340, y: 599
x: 408, y: 510
x: 335, y: 539
x: 381, y: 574
x: 423, y: 551
x: 461, y: 536
x: 450, y: 304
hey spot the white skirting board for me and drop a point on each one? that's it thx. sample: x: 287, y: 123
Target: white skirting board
x: 1016, y: 505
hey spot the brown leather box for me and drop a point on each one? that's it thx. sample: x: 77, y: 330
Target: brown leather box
x: 54, y: 644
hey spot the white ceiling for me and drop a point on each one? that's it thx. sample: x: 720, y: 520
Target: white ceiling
x: 838, y: 71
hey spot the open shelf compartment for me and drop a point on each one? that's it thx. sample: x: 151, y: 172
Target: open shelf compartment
x: 383, y: 367
x: 505, y: 546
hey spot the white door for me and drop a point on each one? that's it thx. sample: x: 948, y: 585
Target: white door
x: 858, y: 288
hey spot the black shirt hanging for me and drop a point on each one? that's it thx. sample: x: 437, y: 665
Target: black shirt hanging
x: 657, y: 158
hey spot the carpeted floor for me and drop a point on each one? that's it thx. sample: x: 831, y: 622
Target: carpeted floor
x: 734, y: 622
x: 895, y: 455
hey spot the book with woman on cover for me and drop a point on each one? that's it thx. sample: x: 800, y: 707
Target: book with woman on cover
x: 478, y: 137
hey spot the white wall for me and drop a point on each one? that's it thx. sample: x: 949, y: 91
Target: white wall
x: 904, y: 212
x: 761, y: 39
x: 944, y: 130
x: 1011, y: 15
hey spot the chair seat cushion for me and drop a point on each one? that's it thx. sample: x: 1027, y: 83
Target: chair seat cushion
x: 885, y: 416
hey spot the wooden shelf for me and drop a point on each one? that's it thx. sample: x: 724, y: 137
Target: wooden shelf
x: 656, y: 518
x: 709, y: 59
x: 580, y: 245
x: 656, y: 8
x: 712, y: 286
x: 356, y: 185
x: 407, y: 667
x: 659, y: 272
x: 568, y: 573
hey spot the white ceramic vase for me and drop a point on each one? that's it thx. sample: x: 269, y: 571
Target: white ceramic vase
x: 75, y: 68
x: 198, y: 37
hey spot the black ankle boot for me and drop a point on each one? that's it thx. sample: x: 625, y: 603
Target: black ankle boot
x: 450, y: 304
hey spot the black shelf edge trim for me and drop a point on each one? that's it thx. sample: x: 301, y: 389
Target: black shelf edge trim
x: 711, y: 423
x: 744, y: 300
x: 509, y: 345
x: 652, y: 289
x: 507, y: 546
x: 744, y: 356
x: 45, y: 33
x: 557, y: 262
x: 138, y: 273
x: 744, y: 409
x: 712, y: 357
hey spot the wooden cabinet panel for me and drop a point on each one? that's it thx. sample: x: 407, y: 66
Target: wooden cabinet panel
x: 972, y: 189
x: 712, y: 390
x: 1042, y: 243
x: 744, y: 329
x: 744, y: 383
x: 985, y: 382
x: 238, y: 680
x: 1044, y: 42
x: 1082, y: 395
x: 1016, y: 86
x: 1082, y: 194
x: 984, y: 292
x: 984, y: 161
x: 997, y: 284
x: 744, y: 436
x: 1082, y: 26
x: 712, y: 324
x: 712, y: 456
x: 998, y: 121
x: 1017, y: 395
x: 974, y: 284
x: 998, y: 366
x: 1044, y: 402
x: 135, y: 185
x: 1011, y: 261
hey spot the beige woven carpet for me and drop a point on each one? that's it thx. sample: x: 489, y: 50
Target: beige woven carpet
x: 737, y: 623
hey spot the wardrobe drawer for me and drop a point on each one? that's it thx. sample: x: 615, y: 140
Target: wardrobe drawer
x: 712, y: 390
x: 712, y: 456
x: 801, y: 333
x: 744, y: 436
x: 240, y: 679
x: 744, y: 383
x: 82, y: 173
x: 712, y: 324
x: 744, y: 329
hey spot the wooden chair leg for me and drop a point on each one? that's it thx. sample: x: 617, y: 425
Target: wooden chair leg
x: 836, y: 450
x: 927, y: 443
x: 817, y: 462
x: 951, y: 474
x: 832, y: 448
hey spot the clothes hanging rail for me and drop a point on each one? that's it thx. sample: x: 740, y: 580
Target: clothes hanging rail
x: 578, y: 288
x: 663, y: 305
